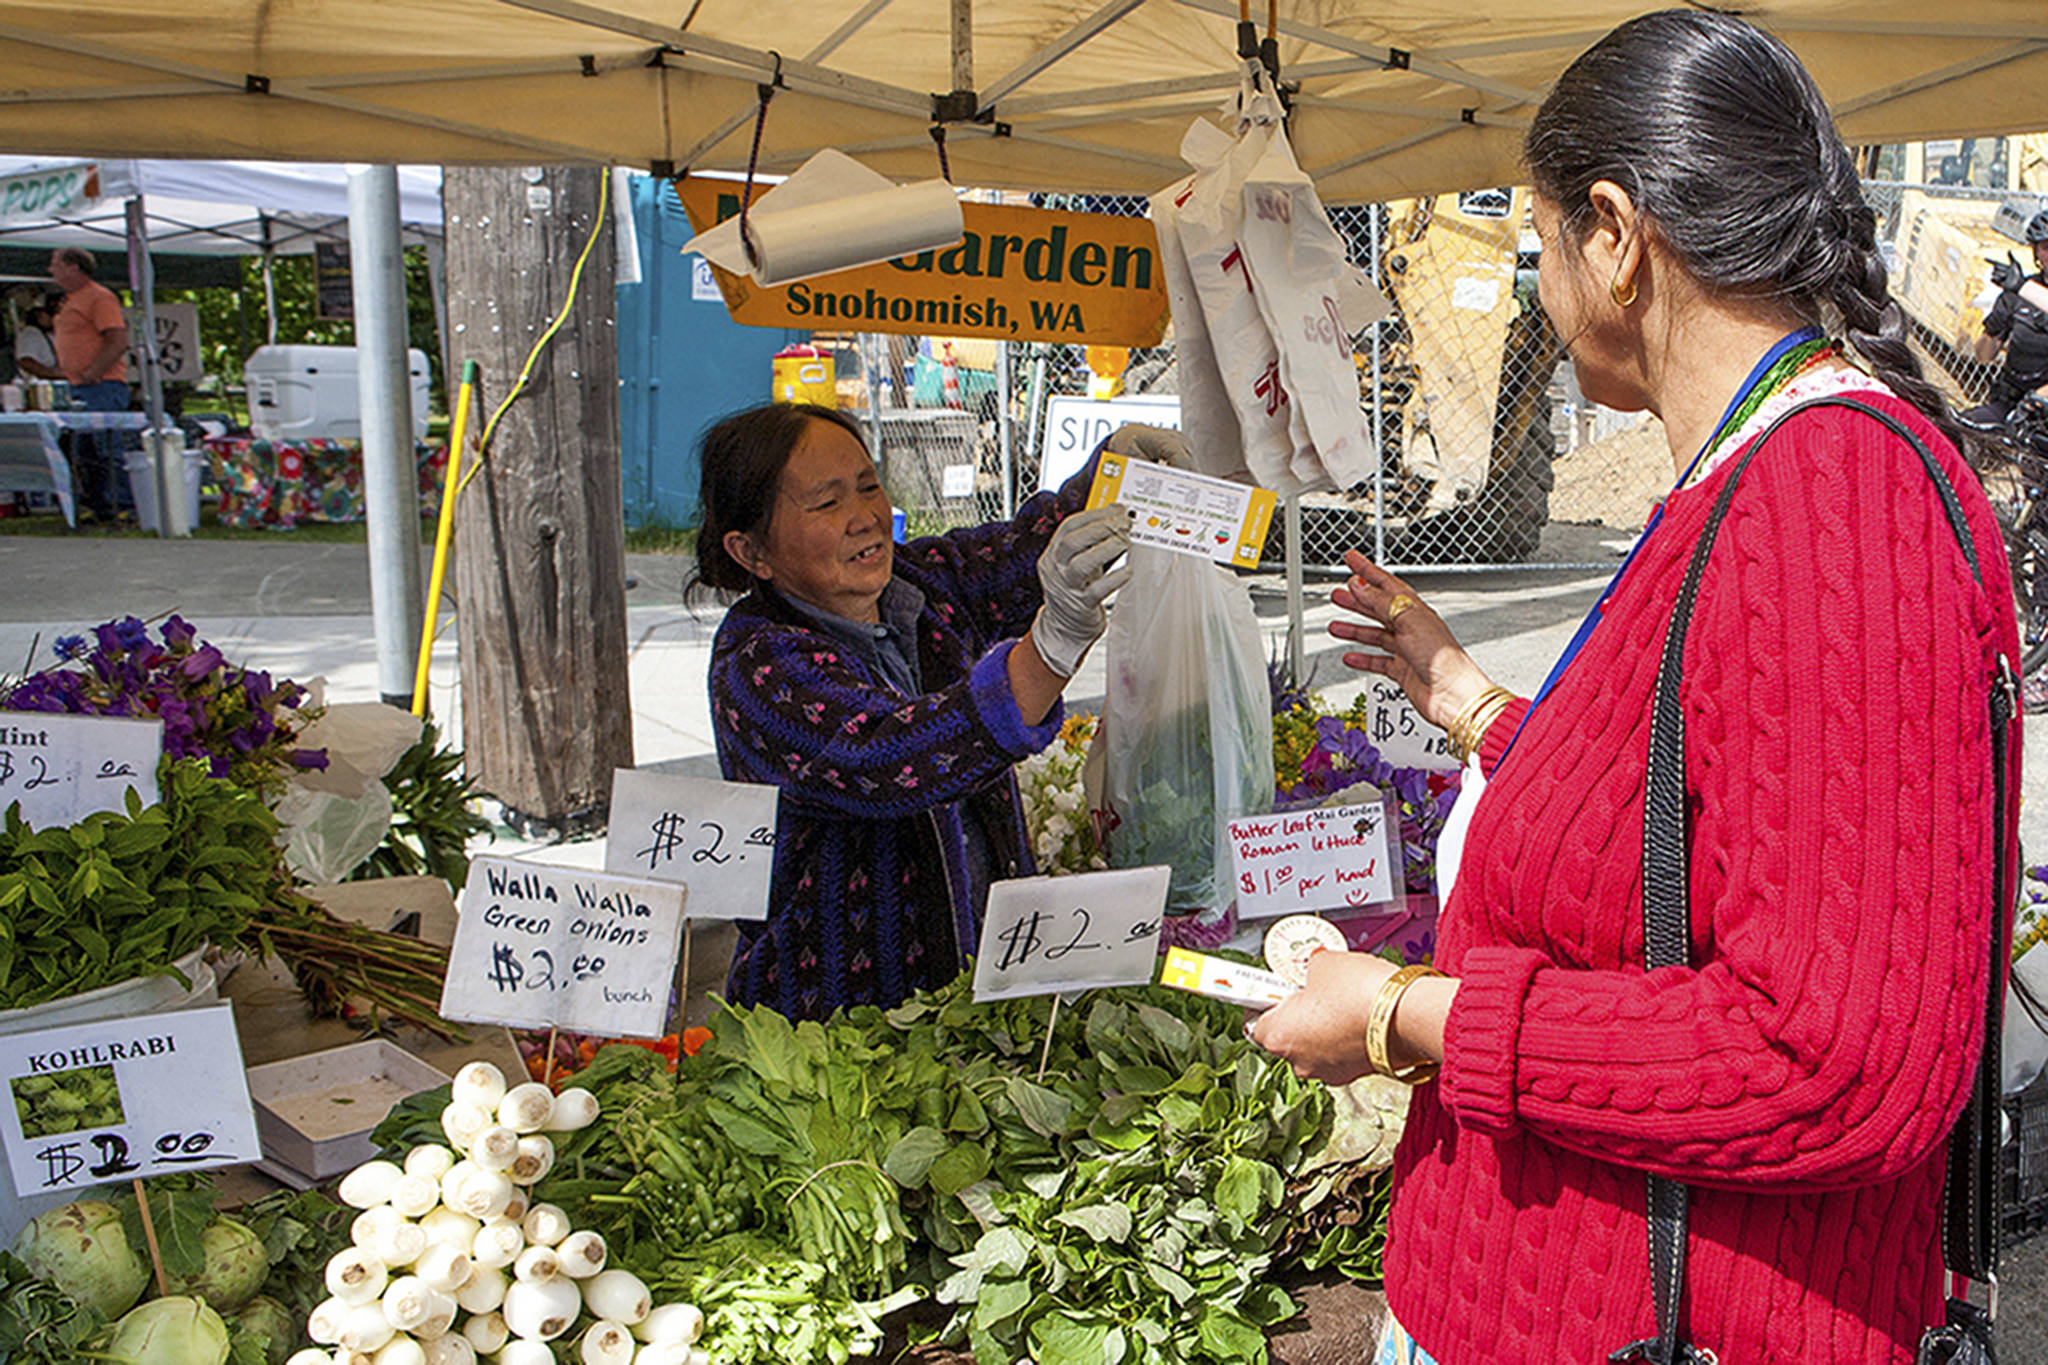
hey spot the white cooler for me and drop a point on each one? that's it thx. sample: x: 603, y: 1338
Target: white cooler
x: 309, y: 392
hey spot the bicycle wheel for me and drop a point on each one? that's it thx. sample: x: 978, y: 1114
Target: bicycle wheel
x: 2027, y: 550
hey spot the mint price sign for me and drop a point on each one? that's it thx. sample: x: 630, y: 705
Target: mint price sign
x: 120, y: 1098
x: 63, y: 768
x: 541, y: 946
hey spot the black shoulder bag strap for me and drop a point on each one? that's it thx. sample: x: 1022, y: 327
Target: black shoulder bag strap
x: 1970, y: 1215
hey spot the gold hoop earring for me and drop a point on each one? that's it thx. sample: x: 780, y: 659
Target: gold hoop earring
x: 1621, y: 300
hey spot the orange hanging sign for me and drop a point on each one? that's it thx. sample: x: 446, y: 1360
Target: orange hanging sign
x: 1017, y: 274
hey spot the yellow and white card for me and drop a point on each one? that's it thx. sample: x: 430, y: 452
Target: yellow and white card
x: 1192, y: 513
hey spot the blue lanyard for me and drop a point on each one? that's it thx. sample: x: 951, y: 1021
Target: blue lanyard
x: 1593, y: 617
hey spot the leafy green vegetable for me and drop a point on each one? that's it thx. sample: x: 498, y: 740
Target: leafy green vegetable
x: 119, y: 896
x: 39, y: 1323
x: 180, y: 1207
x: 763, y: 1302
x: 67, y: 1101
x: 1127, y: 1203
x: 431, y: 822
x: 300, y: 1231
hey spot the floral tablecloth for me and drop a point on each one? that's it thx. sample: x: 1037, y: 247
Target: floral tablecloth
x: 280, y: 484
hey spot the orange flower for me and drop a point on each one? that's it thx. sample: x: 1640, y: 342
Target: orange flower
x: 694, y: 1040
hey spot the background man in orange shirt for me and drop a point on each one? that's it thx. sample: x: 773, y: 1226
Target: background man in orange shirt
x: 91, y: 339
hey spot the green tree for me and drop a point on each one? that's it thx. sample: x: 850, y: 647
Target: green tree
x: 234, y: 322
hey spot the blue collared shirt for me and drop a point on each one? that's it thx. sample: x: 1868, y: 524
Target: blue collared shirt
x: 890, y: 644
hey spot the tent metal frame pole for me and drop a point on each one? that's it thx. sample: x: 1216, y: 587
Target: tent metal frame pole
x: 819, y: 53
x: 962, y: 12
x: 1448, y: 117
x: 808, y: 77
x: 1399, y: 144
x: 1929, y: 79
x: 1124, y: 96
x: 269, y: 259
x: 1297, y: 631
x: 391, y: 492
x: 958, y: 132
x: 1004, y: 430
x: 286, y: 89
x: 1379, y: 401
x: 142, y: 278
x: 1035, y: 402
x: 1057, y: 50
x: 1413, y: 61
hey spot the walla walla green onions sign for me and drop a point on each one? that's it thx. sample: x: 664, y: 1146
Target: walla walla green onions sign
x: 49, y: 193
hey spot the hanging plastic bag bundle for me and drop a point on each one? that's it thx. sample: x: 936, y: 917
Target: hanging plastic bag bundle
x: 1187, y: 732
x: 1207, y: 418
x: 1206, y: 214
x: 1312, y: 299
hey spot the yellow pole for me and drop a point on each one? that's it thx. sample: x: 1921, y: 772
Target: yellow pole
x: 450, y: 482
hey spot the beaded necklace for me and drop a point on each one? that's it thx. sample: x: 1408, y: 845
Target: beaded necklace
x: 1795, y: 362
x: 1794, y: 354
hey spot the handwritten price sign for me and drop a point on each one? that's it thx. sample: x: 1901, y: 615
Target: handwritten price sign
x: 89, y: 1103
x: 63, y: 768
x: 1043, y: 935
x: 1400, y: 733
x: 717, y: 838
x: 539, y: 946
x: 1325, y: 859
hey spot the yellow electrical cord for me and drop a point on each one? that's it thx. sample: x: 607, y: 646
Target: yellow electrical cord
x: 433, y: 626
x: 443, y: 534
x: 483, y: 454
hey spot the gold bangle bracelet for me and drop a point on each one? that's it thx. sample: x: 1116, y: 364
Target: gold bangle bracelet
x: 1468, y: 728
x: 1379, y: 1021
x: 1461, y: 722
x: 1482, y: 721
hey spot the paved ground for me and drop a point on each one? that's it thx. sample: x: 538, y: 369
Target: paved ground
x: 301, y: 610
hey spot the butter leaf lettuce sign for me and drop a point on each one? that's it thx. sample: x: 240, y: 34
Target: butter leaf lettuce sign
x: 1017, y: 274
x: 47, y: 193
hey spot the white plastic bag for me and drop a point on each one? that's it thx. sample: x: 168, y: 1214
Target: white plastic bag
x: 1206, y: 211
x: 1301, y: 280
x: 333, y: 818
x: 2026, y: 1019
x: 326, y: 835
x: 1206, y: 416
x: 1187, y: 725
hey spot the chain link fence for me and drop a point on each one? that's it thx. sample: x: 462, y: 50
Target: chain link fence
x: 1477, y: 415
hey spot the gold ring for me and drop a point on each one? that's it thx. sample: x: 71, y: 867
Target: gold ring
x: 1402, y: 602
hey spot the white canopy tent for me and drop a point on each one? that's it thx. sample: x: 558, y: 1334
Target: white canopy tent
x: 213, y: 208
x: 1086, y: 95
x: 1415, y: 97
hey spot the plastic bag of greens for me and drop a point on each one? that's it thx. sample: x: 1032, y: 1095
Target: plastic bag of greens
x: 1186, y: 733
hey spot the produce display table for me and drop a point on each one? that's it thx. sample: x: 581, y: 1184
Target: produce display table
x: 279, y: 484
x: 33, y: 458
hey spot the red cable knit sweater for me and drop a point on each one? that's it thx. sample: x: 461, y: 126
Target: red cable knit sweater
x: 1801, y: 1075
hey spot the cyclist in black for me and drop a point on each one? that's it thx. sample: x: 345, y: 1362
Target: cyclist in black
x: 2018, y: 325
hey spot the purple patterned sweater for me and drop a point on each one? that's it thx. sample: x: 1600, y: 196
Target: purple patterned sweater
x: 868, y: 900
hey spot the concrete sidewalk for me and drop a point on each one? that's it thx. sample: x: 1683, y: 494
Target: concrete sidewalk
x: 301, y: 610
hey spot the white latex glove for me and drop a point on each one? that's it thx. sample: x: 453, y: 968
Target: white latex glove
x: 1075, y: 576
x: 1160, y: 445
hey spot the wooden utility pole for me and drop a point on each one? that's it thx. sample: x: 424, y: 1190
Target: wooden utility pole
x: 540, y: 564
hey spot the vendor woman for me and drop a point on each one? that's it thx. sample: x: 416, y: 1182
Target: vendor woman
x: 887, y: 691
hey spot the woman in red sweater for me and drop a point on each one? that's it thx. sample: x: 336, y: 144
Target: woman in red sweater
x: 1701, y: 221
